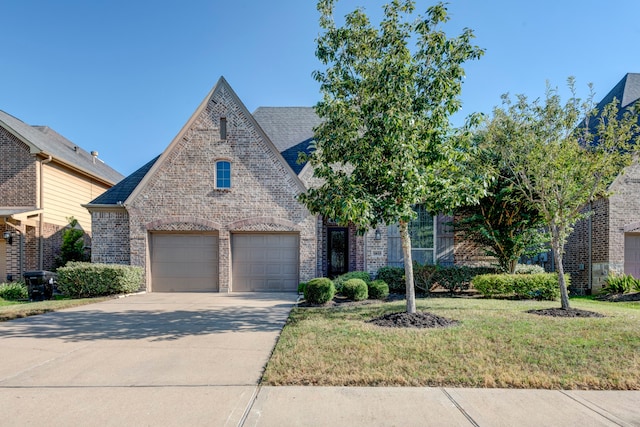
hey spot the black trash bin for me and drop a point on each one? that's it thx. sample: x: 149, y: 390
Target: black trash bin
x: 40, y: 284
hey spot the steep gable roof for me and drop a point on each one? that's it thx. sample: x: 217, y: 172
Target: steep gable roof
x: 120, y: 192
x: 627, y: 91
x: 44, y: 140
x: 290, y: 129
x: 219, y: 86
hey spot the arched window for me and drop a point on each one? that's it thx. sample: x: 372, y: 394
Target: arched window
x: 223, y: 174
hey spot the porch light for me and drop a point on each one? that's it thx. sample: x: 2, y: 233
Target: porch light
x: 377, y: 235
x: 7, y: 236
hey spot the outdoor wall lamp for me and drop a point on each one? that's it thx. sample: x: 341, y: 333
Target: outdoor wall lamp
x: 7, y: 236
x: 377, y: 235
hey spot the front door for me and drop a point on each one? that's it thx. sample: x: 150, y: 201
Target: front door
x: 337, y: 251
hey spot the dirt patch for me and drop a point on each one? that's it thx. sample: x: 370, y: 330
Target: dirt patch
x: 421, y: 319
x: 620, y: 297
x: 561, y: 312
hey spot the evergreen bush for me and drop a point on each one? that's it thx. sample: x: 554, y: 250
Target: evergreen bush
x: 378, y: 289
x: 13, y: 291
x: 355, y: 289
x: 542, y: 286
x: 83, y: 279
x: 319, y: 290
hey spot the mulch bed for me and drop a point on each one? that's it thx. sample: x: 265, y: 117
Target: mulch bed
x: 561, y: 312
x: 620, y: 297
x: 421, y: 319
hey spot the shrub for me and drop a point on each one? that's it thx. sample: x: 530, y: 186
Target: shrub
x: 82, y: 280
x: 529, y: 269
x: 319, y: 290
x: 301, y: 287
x: 13, y: 291
x: 423, y: 276
x: 378, y: 289
x: 355, y: 289
x: 458, y: 278
x: 339, y: 281
x: 531, y: 286
x: 393, y: 277
x: 620, y: 284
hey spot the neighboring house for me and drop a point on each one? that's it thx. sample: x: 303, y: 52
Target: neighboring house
x: 218, y: 209
x: 44, y: 179
x: 609, y: 240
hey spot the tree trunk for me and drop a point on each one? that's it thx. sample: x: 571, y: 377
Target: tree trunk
x: 513, y: 263
x: 557, y: 253
x: 408, y: 267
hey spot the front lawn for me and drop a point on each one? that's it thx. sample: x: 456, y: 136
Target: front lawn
x: 16, y: 309
x: 496, y: 344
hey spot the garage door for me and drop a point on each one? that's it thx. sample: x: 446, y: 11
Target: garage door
x: 184, y: 262
x: 265, y: 262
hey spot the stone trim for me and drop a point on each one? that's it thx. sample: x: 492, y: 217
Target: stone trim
x: 269, y: 222
x: 180, y: 222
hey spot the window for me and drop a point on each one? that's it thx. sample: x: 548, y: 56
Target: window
x: 223, y: 174
x: 422, y: 231
x: 223, y: 128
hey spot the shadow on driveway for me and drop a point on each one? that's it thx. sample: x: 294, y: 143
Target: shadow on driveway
x: 154, y: 324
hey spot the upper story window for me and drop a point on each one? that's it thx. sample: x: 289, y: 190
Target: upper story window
x: 223, y: 128
x: 223, y: 174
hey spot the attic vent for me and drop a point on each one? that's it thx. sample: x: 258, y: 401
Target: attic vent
x: 223, y: 128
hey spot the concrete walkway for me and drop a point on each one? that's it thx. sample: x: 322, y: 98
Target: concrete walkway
x: 196, y: 359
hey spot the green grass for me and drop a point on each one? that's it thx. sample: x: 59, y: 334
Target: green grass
x: 497, y: 344
x: 16, y: 309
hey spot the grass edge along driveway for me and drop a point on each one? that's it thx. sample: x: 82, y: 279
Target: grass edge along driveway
x: 497, y: 344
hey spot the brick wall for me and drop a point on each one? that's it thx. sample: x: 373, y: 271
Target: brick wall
x: 110, y: 230
x: 183, y: 187
x: 17, y: 172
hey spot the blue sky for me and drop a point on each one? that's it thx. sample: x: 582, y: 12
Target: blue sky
x: 123, y: 76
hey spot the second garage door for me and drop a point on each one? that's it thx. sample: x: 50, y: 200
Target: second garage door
x: 184, y: 262
x: 265, y: 262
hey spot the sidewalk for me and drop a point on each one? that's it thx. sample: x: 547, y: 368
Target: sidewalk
x: 401, y: 406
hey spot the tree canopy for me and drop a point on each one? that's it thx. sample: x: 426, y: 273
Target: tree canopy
x: 385, y: 143
x: 559, y: 159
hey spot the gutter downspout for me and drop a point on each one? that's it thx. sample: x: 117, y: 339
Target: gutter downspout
x: 41, y: 215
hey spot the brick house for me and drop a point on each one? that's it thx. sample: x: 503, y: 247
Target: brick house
x: 44, y: 179
x: 609, y: 240
x: 218, y: 209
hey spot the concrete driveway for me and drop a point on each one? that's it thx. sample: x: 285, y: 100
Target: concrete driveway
x: 151, y: 359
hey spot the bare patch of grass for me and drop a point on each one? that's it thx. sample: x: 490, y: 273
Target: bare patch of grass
x: 496, y: 344
x: 10, y: 310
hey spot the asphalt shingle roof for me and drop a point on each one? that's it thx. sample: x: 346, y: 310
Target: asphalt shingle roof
x: 290, y: 129
x: 121, y: 191
x: 52, y: 143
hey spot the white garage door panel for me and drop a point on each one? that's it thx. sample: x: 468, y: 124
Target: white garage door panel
x: 265, y: 262
x: 184, y: 263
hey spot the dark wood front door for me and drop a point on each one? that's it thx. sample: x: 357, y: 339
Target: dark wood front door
x: 337, y: 251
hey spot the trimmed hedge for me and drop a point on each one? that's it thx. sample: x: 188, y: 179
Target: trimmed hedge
x: 339, y: 281
x: 13, y: 291
x: 458, y: 278
x: 319, y: 290
x: 528, y: 286
x: 83, y: 279
x: 393, y: 277
x: 378, y: 289
x: 355, y: 289
x: 529, y: 269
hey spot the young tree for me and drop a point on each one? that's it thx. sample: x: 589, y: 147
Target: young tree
x: 385, y: 143
x: 504, y: 223
x: 559, y: 159
x: 72, y: 248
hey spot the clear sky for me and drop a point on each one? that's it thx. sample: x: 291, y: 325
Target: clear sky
x: 123, y: 76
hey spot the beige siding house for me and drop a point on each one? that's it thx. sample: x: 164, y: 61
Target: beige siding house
x: 44, y: 179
